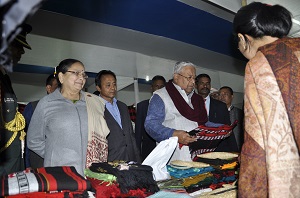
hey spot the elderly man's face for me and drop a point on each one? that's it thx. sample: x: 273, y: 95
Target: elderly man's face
x: 186, y: 78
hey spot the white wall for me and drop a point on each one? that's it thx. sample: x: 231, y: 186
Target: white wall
x: 126, y: 64
x: 27, y: 93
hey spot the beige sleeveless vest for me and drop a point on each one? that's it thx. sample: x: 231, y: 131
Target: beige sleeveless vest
x: 173, y: 119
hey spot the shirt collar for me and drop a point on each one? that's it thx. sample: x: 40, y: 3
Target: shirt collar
x: 207, y: 98
x: 106, y: 102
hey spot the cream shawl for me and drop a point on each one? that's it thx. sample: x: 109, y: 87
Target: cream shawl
x: 97, y: 148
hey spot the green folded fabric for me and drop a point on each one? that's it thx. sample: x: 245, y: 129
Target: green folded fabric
x: 100, y: 176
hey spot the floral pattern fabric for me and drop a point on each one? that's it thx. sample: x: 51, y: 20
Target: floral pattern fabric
x: 270, y: 163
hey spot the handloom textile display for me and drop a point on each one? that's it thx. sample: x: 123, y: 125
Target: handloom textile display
x: 43, y: 180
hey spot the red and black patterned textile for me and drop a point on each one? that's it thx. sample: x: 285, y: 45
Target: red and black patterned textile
x: 208, y: 138
x: 63, y: 194
x: 43, y: 180
x: 132, y: 113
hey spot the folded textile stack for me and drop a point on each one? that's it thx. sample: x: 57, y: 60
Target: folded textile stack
x: 45, y: 182
x: 210, y: 172
x: 209, y: 137
x: 171, y: 185
x: 121, y: 179
x: 225, y: 165
x: 227, y: 191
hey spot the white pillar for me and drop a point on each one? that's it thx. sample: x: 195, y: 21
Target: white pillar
x: 136, y: 91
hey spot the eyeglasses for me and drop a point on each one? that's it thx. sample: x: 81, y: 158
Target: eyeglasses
x: 78, y: 73
x: 189, y: 78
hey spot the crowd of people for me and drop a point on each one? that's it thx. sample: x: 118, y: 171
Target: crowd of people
x: 71, y: 127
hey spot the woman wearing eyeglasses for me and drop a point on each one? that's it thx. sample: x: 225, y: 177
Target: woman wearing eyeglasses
x: 66, y: 122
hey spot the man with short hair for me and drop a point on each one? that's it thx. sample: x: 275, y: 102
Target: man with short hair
x: 176, y: 109
x: 11, y: 149
x: 31, y: 158
x: 121, y: 140
x: 143, y: 140
x: 226, y: 96
x: 216, y: 111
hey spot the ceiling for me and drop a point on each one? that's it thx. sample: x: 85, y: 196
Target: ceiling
x: 196, y: 30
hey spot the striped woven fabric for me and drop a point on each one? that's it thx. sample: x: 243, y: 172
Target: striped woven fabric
x: 43, y: 180
x: 208, y: 138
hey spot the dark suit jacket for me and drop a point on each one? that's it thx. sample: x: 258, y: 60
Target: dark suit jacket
x: 121, y: 142
x: 238, y: 114
x: 143, y: 140
x: 218, y: 113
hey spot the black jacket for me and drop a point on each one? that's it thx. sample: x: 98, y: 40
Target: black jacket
x: 218, y: 113
x: 121, y: 141
x: 143, y: 140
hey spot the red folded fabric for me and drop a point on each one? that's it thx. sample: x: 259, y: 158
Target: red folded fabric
x: 112, y: 190
x: 208, y: 138
x: 43, y: 180
x: 63, y: 194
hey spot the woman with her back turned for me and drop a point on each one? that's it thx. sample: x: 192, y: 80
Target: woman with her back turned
x: 270, y: 163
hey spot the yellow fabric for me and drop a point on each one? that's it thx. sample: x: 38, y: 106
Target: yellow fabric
x: 195, y: 179
x: 229, y: 166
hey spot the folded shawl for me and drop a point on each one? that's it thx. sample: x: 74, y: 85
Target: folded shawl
x: 43, y: 180
x: 97, y: 148
x: 208, y: 138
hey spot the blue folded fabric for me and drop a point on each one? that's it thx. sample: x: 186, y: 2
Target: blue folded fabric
x: 183, y: 173
x: 212, y: 124
x: 166, y: 194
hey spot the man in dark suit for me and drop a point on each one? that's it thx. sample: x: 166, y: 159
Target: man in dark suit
x: 217, y: 111
x: 226, y: 96
x: 143, y: 140
x: 121, y: 140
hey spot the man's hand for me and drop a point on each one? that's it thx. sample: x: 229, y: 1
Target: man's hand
x: 184, y: 137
